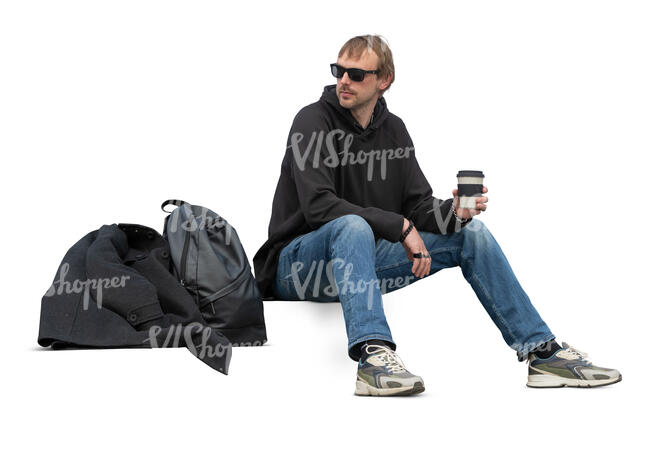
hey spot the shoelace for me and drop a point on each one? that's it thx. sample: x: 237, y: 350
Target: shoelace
x: 571, y: 350
x: 388, y: 357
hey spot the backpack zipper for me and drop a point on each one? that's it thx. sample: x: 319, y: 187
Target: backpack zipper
x: 232, y: 286
x: 186, y: 247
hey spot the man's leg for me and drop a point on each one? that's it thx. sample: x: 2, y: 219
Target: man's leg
x: 337, y: 262
x: 484, y: 266
x: 487, y: 270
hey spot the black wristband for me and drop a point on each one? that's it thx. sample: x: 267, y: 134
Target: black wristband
x: 402, y: 237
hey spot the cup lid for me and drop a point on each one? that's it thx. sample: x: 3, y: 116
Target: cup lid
x: 468, y: 173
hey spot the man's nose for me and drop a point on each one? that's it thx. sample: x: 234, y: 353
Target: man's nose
x: 345, y: 79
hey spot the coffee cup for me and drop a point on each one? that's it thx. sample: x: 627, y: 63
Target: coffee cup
x: 470, y: 186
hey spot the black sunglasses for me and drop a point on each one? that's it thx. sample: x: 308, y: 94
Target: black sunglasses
x: 354, y: 74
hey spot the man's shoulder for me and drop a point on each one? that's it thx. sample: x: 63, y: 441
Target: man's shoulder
x: 313, y: 114
x: 394, y: 121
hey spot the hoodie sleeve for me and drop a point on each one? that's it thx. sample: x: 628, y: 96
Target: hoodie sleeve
x: 427, y: 212
x: 315, y: 180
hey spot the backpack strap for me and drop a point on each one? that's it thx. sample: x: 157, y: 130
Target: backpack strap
x: 176, y: 202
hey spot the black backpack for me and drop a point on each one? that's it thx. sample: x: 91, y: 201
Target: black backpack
x: 209, y: 261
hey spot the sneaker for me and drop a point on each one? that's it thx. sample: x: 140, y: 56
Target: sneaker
x: 382, y: 373
x: 568, y: 367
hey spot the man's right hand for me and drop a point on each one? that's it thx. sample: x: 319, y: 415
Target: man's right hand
x: 412, y: 245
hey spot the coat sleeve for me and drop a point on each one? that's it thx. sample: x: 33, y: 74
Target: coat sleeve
x: 427, y: 212
x: 314, y: 176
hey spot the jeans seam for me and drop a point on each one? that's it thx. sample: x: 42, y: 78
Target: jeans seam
x: 492, y: 304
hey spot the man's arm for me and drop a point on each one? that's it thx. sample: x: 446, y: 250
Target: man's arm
x: 315, y: 181
x: 427, y: 212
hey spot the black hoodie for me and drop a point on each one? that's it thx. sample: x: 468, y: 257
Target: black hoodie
x: 334, y: 167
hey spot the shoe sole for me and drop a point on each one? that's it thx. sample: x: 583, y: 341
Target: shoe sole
x: 550, y: 381
x: 363, y: 389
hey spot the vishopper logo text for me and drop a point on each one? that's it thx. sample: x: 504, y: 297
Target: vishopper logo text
x: 77, y: 286
x: 333, y: 159
x: 343, y: 286
x: 172, y: 339
x: 321, y: 272
x: 444, y: 223
x: 203, y: 221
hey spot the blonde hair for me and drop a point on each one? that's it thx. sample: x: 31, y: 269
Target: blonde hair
x: 359, y: 44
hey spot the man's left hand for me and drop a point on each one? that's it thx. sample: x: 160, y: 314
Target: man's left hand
x: 466, y: 213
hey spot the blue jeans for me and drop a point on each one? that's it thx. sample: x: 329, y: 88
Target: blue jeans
x: 341, y: 261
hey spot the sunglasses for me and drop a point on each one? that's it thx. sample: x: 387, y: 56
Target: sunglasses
x: 354, y: 74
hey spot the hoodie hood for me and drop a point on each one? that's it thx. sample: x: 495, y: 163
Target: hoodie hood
x: 380, y: 112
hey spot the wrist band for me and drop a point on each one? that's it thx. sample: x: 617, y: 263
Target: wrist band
x: 402, y: 237
x: 462, y: 220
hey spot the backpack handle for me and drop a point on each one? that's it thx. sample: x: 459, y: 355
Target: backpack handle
x: 176, y: 202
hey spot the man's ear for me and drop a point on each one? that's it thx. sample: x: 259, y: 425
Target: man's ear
x: 386, y: 82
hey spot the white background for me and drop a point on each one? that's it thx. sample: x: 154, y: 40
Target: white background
x: 108, y: 108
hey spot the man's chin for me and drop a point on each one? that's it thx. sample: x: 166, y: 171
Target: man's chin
x: 346, y: 103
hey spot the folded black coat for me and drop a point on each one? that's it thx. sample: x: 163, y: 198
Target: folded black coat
x: 114, y: 288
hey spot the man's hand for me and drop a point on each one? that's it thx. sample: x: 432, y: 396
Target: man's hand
x: 414, y: 244
x: 466, y: 213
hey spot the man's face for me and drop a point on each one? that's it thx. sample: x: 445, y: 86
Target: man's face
x: 357, y: 94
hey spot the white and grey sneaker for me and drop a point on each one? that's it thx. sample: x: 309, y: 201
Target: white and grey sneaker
x: 568, y: 367
x: 382, y: 373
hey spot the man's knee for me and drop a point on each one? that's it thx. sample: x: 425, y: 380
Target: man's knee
x: 476, y: 231
x: 352, y: 225
x: 474, y: 225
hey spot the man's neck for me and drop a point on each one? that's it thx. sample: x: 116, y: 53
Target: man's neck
x: 364, y: 113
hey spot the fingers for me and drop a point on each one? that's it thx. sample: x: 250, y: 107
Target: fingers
x: 421, y: 266
x: 417, y: 264
x: 417, y: 267
x: 481, y: 200
x: 413, y: 245
x: 480, y: 203
x: 426, y: 265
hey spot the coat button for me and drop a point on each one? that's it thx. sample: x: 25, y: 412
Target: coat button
x: 133, y: 317
x: 164, y: 254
